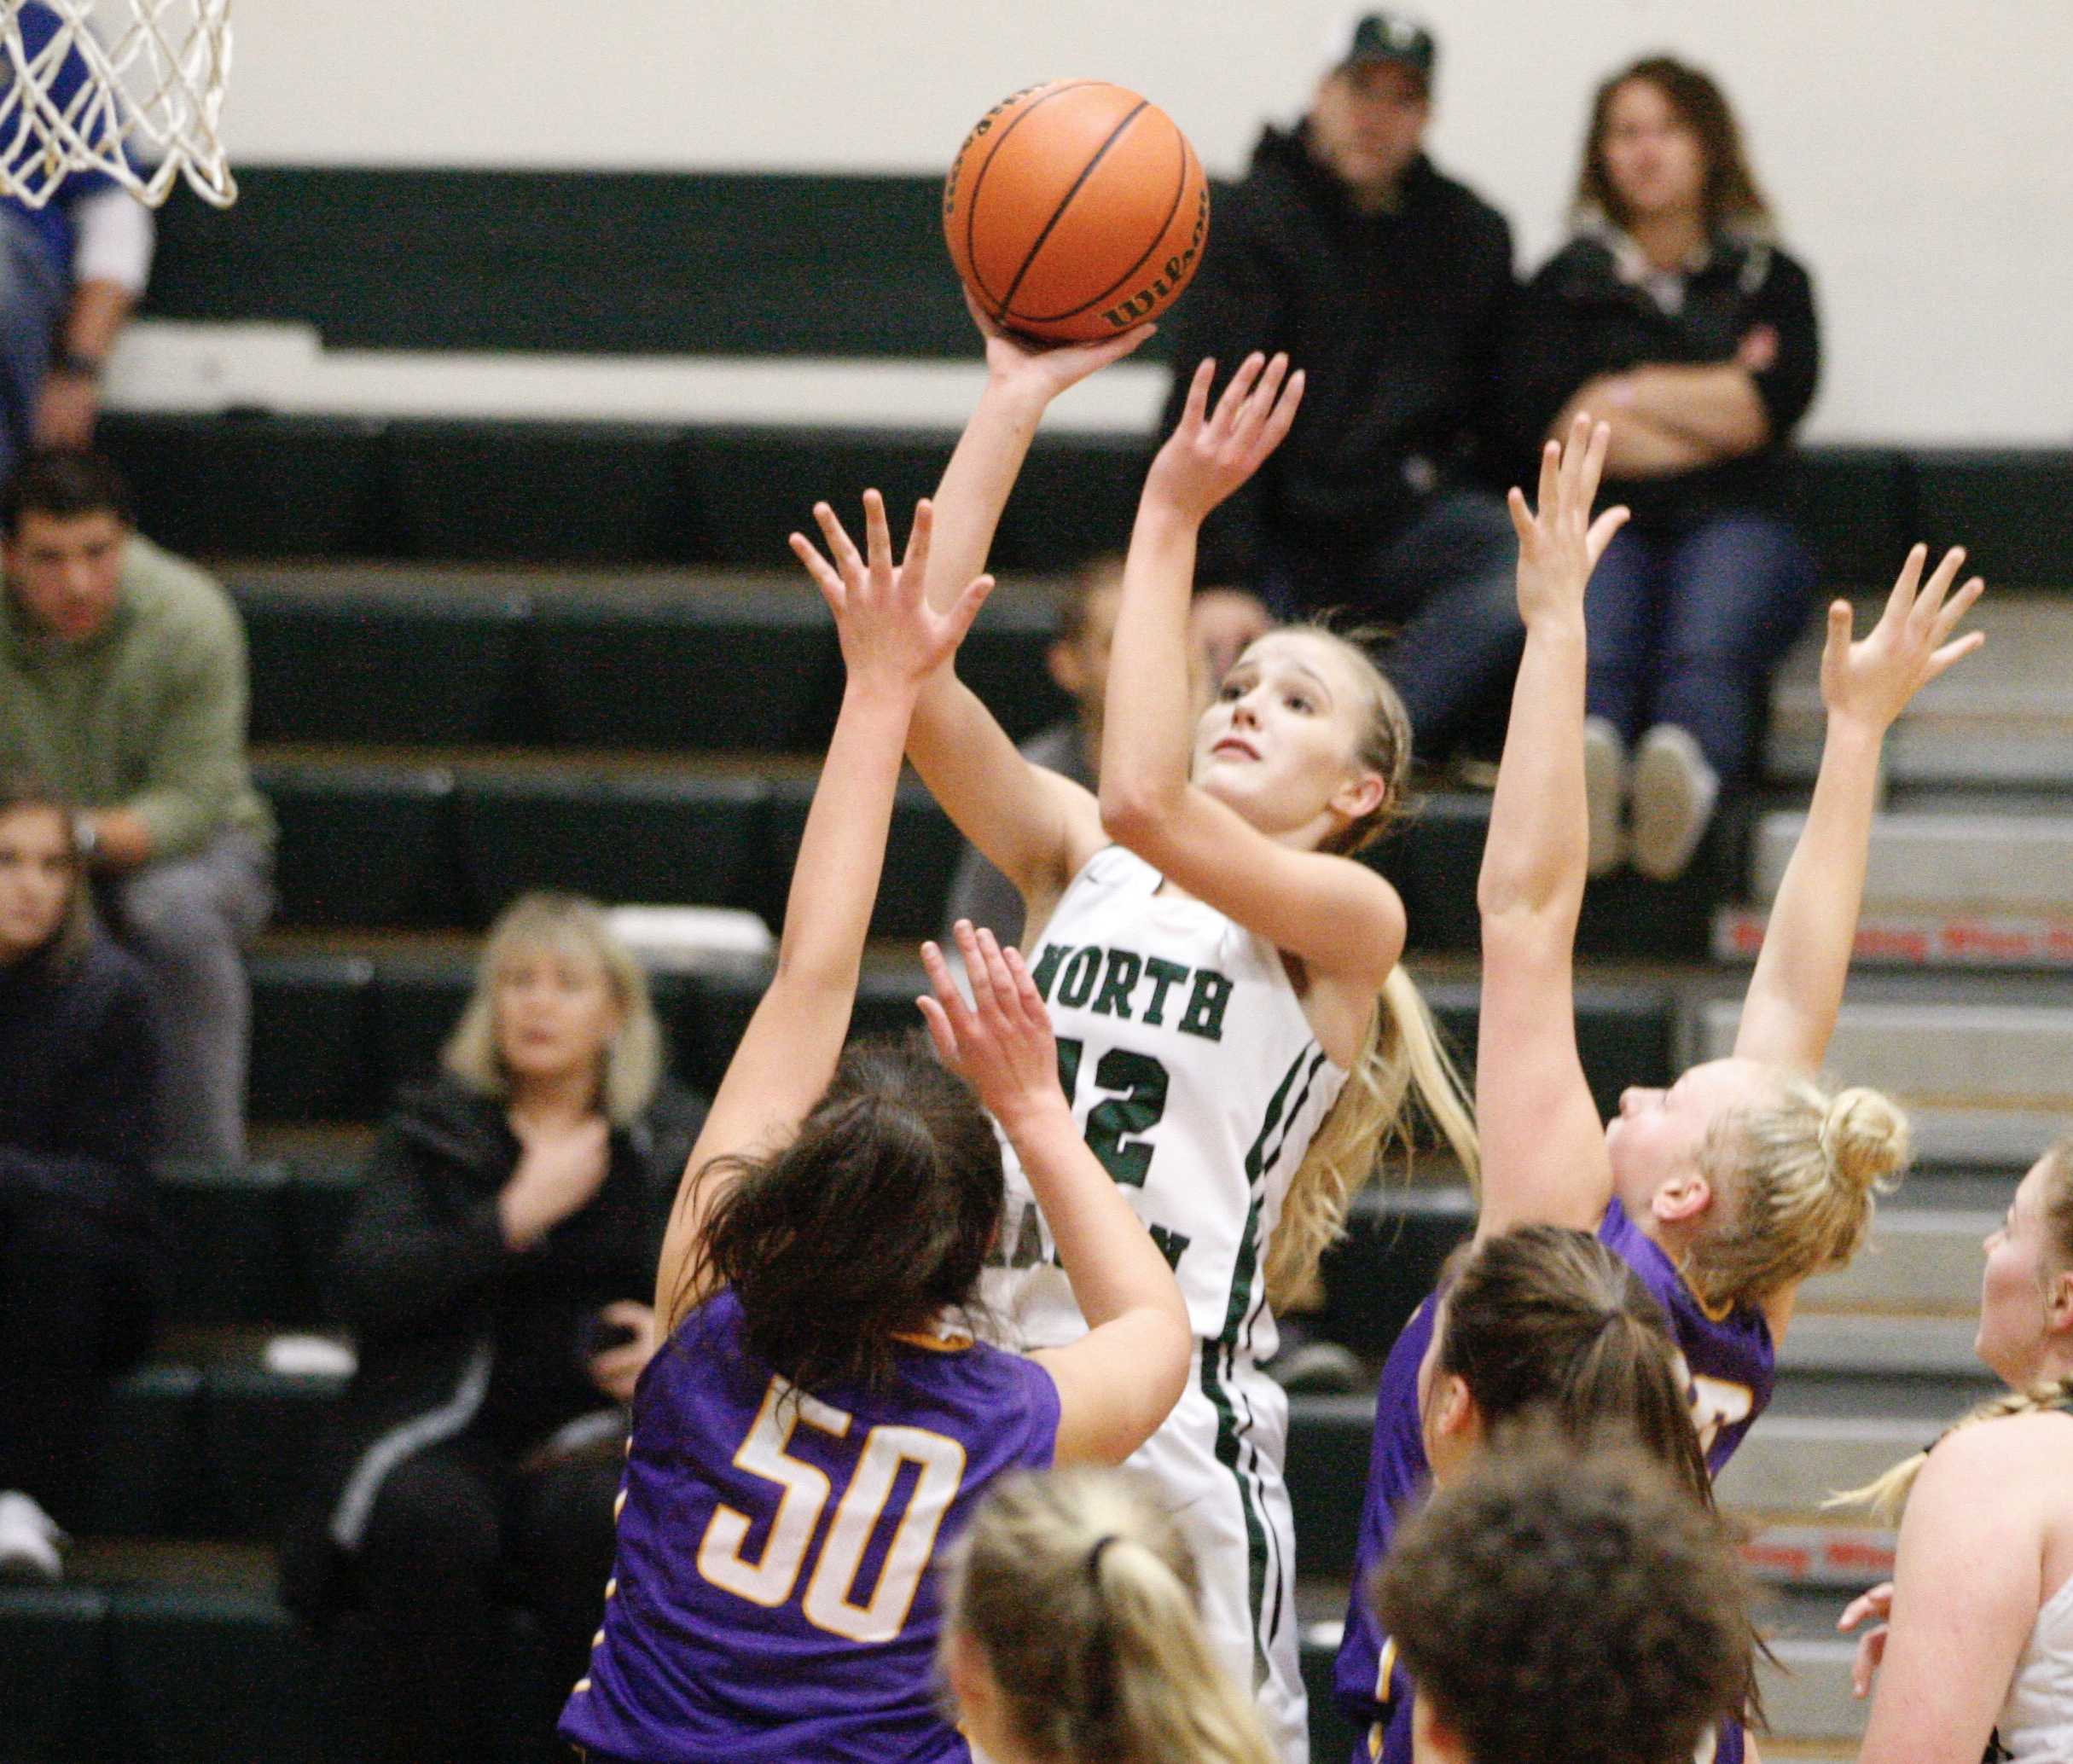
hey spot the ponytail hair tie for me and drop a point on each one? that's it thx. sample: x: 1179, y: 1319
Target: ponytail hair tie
x: 1094, y: 1556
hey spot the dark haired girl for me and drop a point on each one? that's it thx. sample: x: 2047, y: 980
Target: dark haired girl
x: 820, y: 1423
x: 1674, y: 316
x: 79, y: 1067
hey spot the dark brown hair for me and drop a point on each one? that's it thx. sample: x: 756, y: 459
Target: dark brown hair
x: 1731, y: 195
x: 875, y: 1218
x: 66, y: 482
x: 1546, y: 1320
x: 1559, y: 1602
x: 21, y: 790
x: 1549, y: 1329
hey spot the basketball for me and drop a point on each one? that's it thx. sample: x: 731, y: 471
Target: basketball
x: 1074, y: 211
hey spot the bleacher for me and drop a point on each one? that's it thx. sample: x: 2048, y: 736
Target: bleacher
x: 494, y: 655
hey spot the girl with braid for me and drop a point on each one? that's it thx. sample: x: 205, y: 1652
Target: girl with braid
x: 1978, y: 1645
x: 1239, y: 1038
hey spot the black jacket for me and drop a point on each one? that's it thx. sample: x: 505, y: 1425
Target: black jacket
x: 1396, y: 319
x: 1579, y: 318
x: 80, y: 1056
x: 456, y: 1332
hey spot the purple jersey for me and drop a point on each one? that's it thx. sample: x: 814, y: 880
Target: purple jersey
x: 775, y: 1593
x: 1733, y: 1365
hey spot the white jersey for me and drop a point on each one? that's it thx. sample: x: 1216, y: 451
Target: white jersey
x: 2036, y: 1722
x: 1197, y: 1082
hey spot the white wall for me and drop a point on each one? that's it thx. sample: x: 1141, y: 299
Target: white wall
x: 1921, y: 151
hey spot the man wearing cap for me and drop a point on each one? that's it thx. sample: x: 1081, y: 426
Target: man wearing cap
x: 1391, y: 285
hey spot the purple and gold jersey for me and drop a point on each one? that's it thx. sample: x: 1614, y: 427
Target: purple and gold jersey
x: 1733, y: 1365
x: 775, y: 1595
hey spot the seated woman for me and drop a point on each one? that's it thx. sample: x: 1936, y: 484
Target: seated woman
x: 496, y: 1273
x: 1978, y: 1658
x: 1674, y: 316
x: 79, y: 1074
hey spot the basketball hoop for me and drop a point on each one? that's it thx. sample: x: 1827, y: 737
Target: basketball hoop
x: 131, y: 88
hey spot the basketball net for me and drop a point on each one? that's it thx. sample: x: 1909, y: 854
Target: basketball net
x: 146, y: 113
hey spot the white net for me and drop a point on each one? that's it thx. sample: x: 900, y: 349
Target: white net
x: 131, y: 88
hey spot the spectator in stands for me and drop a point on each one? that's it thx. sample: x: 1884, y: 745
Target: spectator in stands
x: 1559, y: 1605
x: 497, y: 1273
x: 78, y: 1061
x: 1224, y: 621
x: 1388, y: 284
x: 71, y: 271
x: 122, y: 681
x: 1674, y: 315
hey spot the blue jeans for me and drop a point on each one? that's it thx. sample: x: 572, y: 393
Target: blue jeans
x: 1685, y: 628
x: 32, y: 297
x: 1442, y: 585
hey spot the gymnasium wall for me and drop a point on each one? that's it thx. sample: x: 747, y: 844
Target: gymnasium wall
x: 1920, y: 152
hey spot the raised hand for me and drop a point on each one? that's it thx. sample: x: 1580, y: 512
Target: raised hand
x: 1001, y: 1043
x: 1871, y: 1645
x: 1872, y: 682
x: 1558, y: 542
x: 1208, y: 456
x: 887, y: 629
x: 1022, y: 364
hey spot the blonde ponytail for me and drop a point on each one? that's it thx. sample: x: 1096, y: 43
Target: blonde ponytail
x: 1403, y: 1067
x: 1797, y: 1181
x: 1082, y: 1599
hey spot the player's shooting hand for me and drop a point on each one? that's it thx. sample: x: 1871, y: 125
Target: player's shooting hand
x: 1558, y: 542
x: 888, y: 630
x: 1871, y: 1646
x: 1871, y: 682
x: 1043, y: 371
x: 1001, y: 1043
x: 1209, y: 454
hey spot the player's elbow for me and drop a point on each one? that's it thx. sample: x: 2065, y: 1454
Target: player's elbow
x: 1136, y: 812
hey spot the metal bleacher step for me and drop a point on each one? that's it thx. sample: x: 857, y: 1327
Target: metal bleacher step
x: 2003, y: 718
x: 1969, y: 878
x: 1984, y: 1067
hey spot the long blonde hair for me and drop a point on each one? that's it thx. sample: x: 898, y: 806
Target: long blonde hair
x: 1798, y: 1181
x: 1887, y: 1495
x: 566, y: 923
x: 1081, y: 1594
x: 1403, y: 1066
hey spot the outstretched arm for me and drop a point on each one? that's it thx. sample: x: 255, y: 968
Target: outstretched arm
x: 1338, y: 917
x: 1118, y: 1383
x: 1034, y: 827
x: 891, y: 641
x: 1797, y: 989
x: 1543, y: 1150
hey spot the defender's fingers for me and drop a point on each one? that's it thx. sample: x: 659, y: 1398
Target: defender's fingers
x: 1593, y: 465
x: 1026, y: 986
x: 939, y: 1031
x: 913, y: 565
x: 1197, y: 394
x: 944, y: 984
x: 824, y: 574
x: 1955, y: 608
x: 1235, y: 395
x: 1282, y: 418
x: 1001, y: 980
x: 965, y: 607
x: 1604, y: 529
x: 976, y: 976
x: 1573, y: 451
x: 878, y: 536
x: 1951, y: 654
x: 1939, y: 583
x: 1265, y: 392
x: 1551, y: 478
x: 1905, y: 583
x: 840, y: 546
x: 1522, y: 516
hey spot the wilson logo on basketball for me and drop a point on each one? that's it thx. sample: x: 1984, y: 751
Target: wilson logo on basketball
x: 1075, y: 210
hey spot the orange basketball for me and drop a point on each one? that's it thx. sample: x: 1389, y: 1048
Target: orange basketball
x: 1074, y: 211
